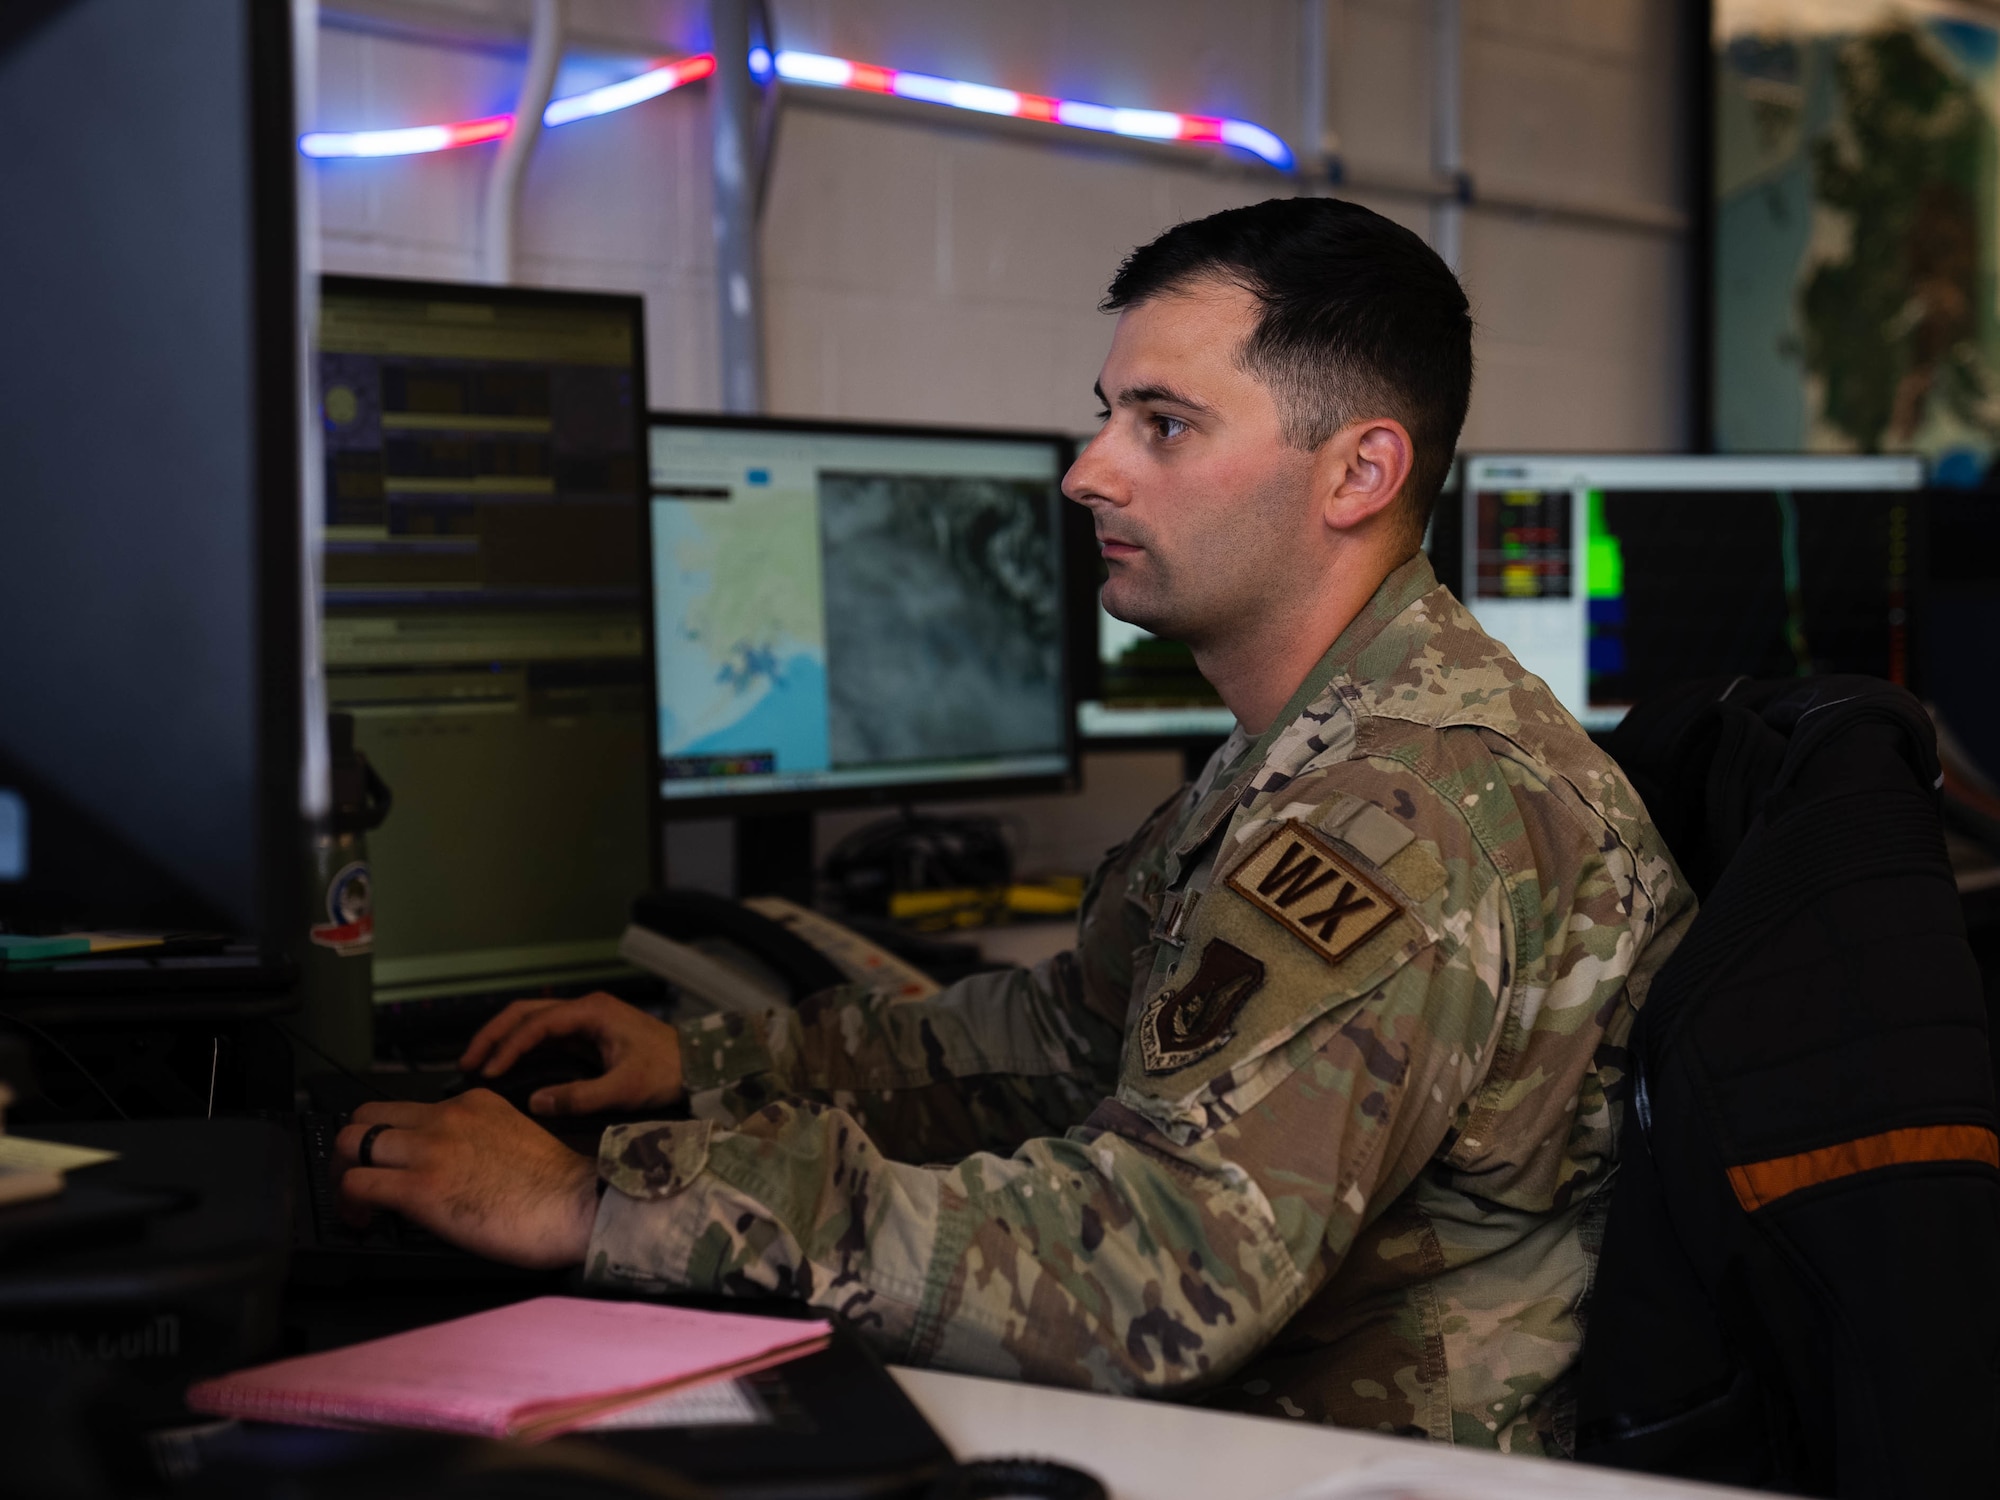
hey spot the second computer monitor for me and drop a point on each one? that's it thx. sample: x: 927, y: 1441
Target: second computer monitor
x: 1612, y: 576
x: 848, y: 614
x: 1149, y: 691
x: 485, y: 626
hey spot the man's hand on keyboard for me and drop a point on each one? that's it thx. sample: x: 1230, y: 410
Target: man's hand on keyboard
x: 476, y: 1171
x: 642, y: 1056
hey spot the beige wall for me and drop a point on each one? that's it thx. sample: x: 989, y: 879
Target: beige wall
x: 924, y: 266
x: 949, y: 274
x: 1583, y: 338
x: 619, y: 203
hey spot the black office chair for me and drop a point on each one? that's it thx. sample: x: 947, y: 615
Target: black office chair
x: 1800, y: 1281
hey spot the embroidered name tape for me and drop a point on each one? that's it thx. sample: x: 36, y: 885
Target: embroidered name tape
x: 1300, y: 879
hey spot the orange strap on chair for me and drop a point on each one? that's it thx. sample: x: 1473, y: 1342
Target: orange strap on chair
x: 1759, y: 1183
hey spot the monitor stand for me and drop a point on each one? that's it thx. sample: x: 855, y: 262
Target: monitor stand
x: 774, y: 855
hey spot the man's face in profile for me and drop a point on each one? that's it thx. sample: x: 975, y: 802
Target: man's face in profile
x: 1202, y: 511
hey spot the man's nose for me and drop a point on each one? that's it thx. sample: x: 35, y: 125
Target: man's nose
x: 1094, y: 479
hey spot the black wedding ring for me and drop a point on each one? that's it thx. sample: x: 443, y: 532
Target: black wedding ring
x: 365, y: 1155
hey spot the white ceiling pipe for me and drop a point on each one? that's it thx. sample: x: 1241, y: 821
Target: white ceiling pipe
x: 1318, y: 144
x: 503, y: 187
x: 1447, y: 132
x: 732, y: 125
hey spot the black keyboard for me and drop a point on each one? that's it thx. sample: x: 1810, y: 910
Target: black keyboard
x: 386, y: 1232
x: 328, y: 1252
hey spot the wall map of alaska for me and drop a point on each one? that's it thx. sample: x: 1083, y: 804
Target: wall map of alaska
x: 1856, y: 236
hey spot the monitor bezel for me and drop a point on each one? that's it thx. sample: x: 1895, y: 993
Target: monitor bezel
x: 283, y: 359
x: 751, y: 804
x: 634, y: 308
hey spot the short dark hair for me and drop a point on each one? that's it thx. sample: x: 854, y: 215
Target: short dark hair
x: 1361, y: 318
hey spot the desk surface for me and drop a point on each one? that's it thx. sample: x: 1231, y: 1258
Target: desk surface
x: 1147, y: 1450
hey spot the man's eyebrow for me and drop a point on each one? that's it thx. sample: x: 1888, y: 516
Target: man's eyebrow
x: 1141, y: 395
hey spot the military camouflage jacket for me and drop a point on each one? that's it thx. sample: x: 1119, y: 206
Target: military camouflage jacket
x: 1316, y: 1119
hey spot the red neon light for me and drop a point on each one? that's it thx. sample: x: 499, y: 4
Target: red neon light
x: 1200, y: 128
x: 875, y: 80
x: 472, y: 132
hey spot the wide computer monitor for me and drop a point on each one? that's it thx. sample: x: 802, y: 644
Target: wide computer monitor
x: 155, y: 760
x: 484, y: 622
x: 847, y: 613
x: 1611, y: 577
x: 1148, y: 691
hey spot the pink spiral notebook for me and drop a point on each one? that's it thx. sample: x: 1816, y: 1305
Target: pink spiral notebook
x: 529, y: 1371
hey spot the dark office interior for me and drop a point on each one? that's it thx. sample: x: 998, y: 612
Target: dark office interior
x: 616, y: 879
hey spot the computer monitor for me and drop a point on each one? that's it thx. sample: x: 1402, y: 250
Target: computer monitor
x: 1148, y: 691
x: 1610, y: 577
x: 1961, y: 605
x: 156, y: 763
x: 847, y: 613
x: 485, y: 625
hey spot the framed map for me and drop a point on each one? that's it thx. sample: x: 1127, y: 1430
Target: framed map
x: 1855, y: 177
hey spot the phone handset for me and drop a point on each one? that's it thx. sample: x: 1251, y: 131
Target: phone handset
x: 758, y: 954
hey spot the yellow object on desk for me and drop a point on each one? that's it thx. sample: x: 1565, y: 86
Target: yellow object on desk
x: 976, y: 906
x: 19, y: 1153
x: 31, y: 1169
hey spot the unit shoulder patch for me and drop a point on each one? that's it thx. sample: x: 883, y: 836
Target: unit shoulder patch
x: 1184, y: 1025
x: 1316, y: 892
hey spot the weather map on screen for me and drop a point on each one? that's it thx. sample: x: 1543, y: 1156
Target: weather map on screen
x: 742, y: 650
x: 840, y: 609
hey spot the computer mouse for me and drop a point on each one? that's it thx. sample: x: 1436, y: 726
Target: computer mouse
x: 552, y: 1063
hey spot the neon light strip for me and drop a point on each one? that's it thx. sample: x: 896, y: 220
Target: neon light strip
x: 821, y: 72
x: 418, y: 139
x: 1143, y: 124
x: 411, y: 142
x: 613, y: 96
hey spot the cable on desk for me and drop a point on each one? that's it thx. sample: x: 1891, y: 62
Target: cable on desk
x: 1038, y: 1478
x: 67, y: 1056
x: 334, y: 1063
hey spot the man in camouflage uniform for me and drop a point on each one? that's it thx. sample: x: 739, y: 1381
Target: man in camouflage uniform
x: 1318, y: 1116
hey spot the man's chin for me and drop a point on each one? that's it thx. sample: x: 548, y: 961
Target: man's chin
x: 1150, y: 615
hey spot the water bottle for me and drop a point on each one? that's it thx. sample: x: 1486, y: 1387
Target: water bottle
x: 337, y: 980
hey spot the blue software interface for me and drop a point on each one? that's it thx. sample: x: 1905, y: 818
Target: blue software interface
x: 836, y: 610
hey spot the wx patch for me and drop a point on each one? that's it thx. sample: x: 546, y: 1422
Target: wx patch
x: 1315, y: 891
x: 1184, y: 1025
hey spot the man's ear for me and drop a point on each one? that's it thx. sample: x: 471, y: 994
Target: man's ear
x: 1364, y: 468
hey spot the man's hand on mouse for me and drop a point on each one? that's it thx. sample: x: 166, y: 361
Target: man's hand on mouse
x: 642, y: 1056
x: 476, y: 1171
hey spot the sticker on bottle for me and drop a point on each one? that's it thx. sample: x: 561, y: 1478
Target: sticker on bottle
x: 350, y: 909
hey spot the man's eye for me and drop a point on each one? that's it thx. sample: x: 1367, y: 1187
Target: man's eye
x: 1105, y: 415
x: 1168, y: 428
